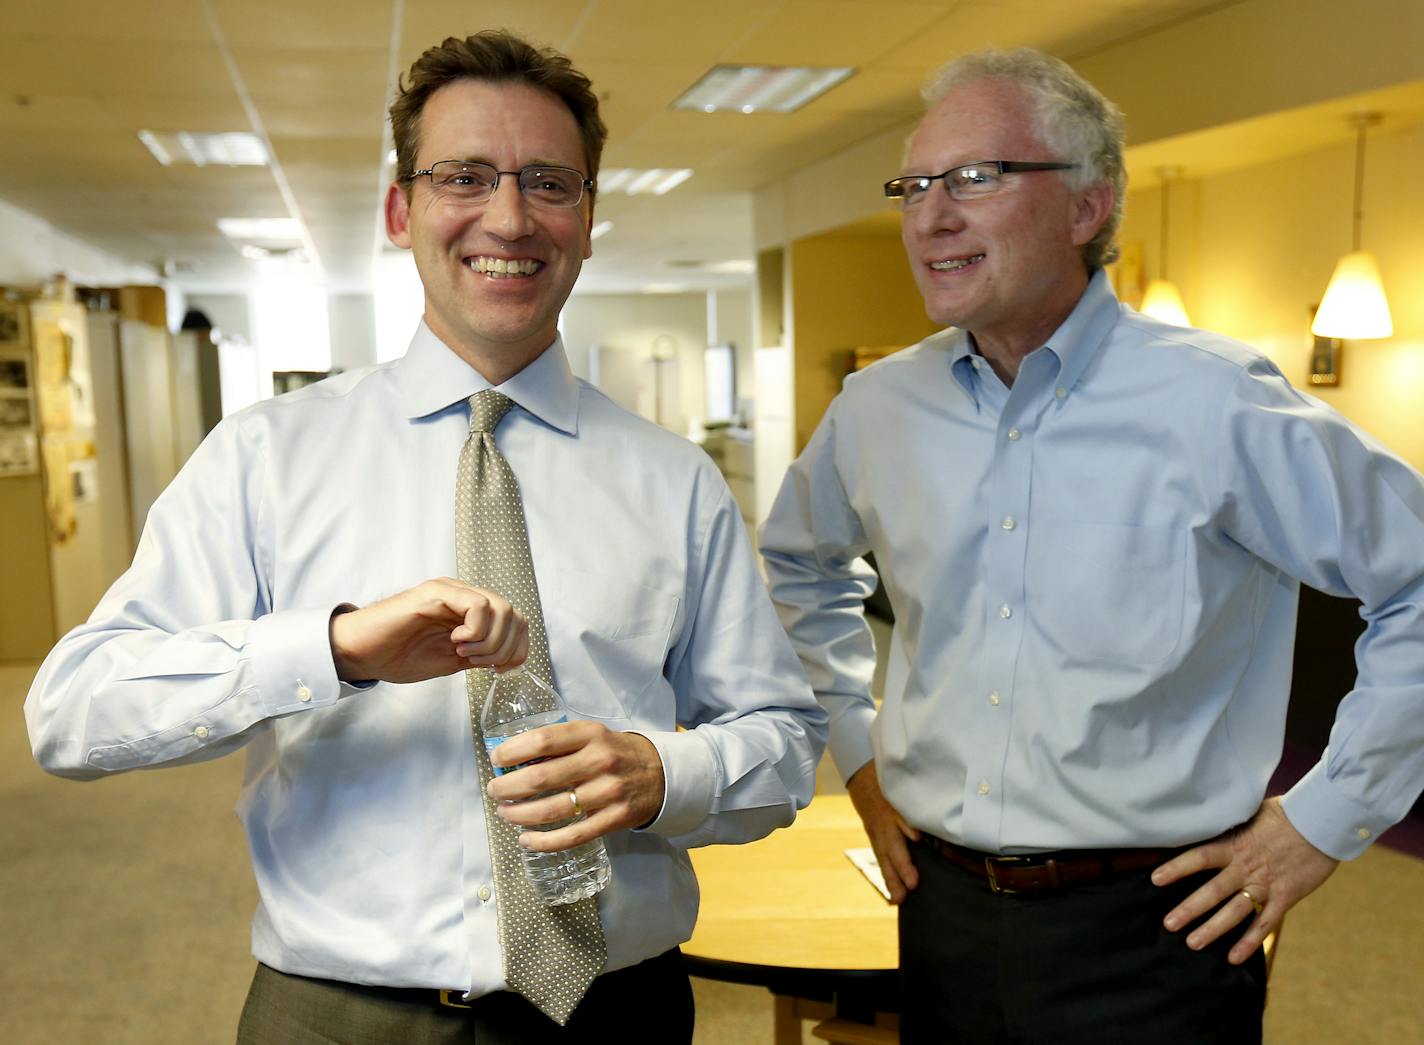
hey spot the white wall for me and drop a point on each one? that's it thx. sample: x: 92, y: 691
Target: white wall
x: 353, y: 330
x: 734, y: 324
x: 629, y: 328
x: 32, y: 250
x: 230, y: 314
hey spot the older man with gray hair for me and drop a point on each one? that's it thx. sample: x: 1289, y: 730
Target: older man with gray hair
x: 1092, y: 528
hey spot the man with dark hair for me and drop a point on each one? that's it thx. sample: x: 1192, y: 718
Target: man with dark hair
x: 1092, y: 528
x: 259, y: 615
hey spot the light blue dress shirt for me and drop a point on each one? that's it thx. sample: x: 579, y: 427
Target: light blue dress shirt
x: 1095, y: 576
x: 362, y: 805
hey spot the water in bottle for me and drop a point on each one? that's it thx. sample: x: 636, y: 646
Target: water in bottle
x: 518, y: 701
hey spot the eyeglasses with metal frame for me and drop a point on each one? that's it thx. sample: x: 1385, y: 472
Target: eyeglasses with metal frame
x: 972, y: 181
x: 468, y: 181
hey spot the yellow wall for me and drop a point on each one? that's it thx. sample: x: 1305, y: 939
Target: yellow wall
x: 1252, y: 251
x: 846, y: 291
x: 26, y: 605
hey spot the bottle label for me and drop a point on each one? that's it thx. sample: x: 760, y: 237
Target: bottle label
x: 493, y: 742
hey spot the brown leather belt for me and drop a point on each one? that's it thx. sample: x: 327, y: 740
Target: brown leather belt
x: 1045, y: 872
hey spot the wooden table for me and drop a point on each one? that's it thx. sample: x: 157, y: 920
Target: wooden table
x: 792, y: 914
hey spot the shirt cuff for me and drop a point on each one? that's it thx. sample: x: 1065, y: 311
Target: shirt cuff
x: 689, y: 782
x: 1334, y: 823
x: 290, y: 654
x: 850, y: 742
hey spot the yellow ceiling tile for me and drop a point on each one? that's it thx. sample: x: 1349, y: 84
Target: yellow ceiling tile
x: 64, y: 21
x: 91, y: 66
x: 316, y: 24
x: 168, y: 112
x: 548, y: 23
x: 313, y: 75
x: 833, y: 32
x: 698, y: 34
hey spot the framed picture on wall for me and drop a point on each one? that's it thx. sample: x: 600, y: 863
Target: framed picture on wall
x: 1324, y: 356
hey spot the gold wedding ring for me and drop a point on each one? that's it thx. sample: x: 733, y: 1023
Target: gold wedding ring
x: 578, y: 811
x: 1257, y: 904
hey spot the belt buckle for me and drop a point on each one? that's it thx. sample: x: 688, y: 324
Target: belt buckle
x: 992, y: 862
x: 451, y: 999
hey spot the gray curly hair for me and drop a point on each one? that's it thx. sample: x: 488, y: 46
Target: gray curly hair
x: 1071, y: 117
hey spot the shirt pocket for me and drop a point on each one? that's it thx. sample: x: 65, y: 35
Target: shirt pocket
x: 608, y: 639
x: 1109, y: 593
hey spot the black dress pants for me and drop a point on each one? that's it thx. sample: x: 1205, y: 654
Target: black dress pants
x: 1088, y: 964
x: 650, y: 1001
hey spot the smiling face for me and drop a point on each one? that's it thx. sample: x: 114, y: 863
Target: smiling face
x: 497, y: 273
x: 1008, y: 267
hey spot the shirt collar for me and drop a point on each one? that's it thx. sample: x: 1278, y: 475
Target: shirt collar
x: 1078, y: 339
x: 432, y: 378
x: 1075, y: 342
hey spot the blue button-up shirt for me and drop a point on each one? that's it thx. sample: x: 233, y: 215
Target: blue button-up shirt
x: 362, y: 806
x: 1095, y: 576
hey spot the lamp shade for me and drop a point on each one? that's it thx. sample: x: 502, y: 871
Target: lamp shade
x: 1354, y: 306
x: 1164, y: 301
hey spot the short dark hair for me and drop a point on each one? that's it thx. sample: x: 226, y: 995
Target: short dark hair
x: 497, y: 56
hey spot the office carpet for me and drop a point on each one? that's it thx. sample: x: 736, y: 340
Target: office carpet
x: 124, y: 907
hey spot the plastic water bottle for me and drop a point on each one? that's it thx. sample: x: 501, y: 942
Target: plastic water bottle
x: 518, y: 701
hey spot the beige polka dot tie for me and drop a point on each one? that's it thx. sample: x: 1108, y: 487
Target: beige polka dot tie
x: 551, y: 954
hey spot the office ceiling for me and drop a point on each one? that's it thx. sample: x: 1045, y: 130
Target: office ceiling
x: 79, y: 79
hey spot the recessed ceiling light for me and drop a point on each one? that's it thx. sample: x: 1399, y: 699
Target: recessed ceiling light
x: 267, y: 230
x: 226, y: 149
x: 657, y: 180
x: 753, y: 88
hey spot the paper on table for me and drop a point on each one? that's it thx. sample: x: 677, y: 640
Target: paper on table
x: 865, y: 862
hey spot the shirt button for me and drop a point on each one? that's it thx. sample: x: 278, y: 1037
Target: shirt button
x: 977, y: 362
x: 201, y: 732
x: 303, y: 694
x: 983, y: 787
x: 1009, y: 523
x: 994, y: 698
x: 1005, y: 612
x: 1362, y: 833
x: 1014, y: 434
x: 485, y: 893
x: 1060, y: 392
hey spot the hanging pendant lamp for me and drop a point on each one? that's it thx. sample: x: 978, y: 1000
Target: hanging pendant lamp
x: 1354, y: 306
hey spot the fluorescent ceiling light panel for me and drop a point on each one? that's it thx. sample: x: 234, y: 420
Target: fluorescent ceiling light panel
x: 600, y: 229
x: 227, y: 149
x: 735, y: 267
x: 267, y: 230
x: 758, y: 88
x: 657, y: 180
